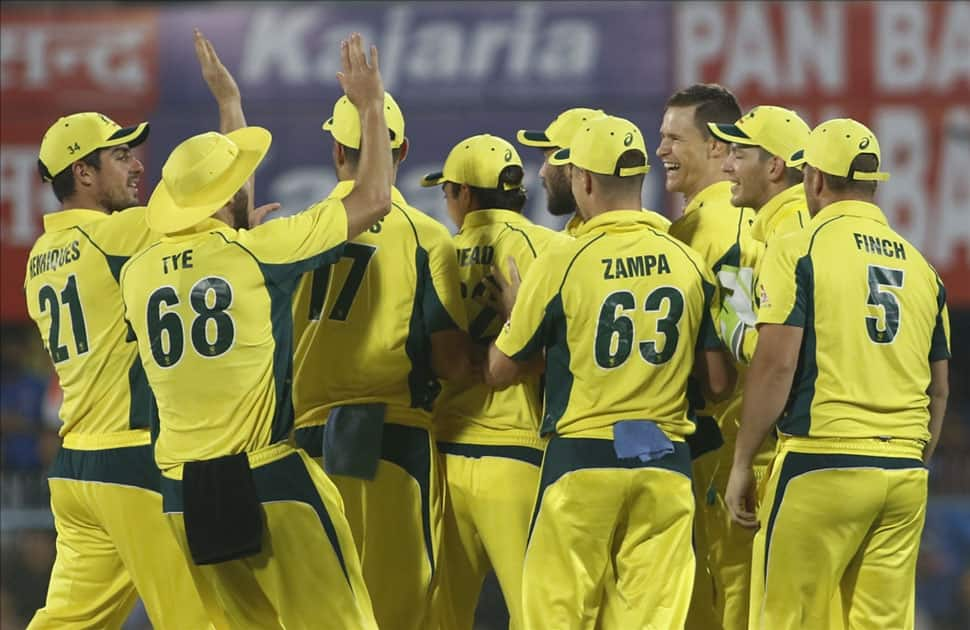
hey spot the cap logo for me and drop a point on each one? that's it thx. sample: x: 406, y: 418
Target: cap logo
x: 508, y: 155
x: 628, y: 139
x: 73, y: 148
x: 864, y: 143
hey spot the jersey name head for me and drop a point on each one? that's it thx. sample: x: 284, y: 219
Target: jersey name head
x: 634, y: 266
x: 54, y: 258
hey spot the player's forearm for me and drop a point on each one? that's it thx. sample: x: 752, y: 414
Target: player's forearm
x: 371, y: 197
x: 231, y: 116
x: 766, y: 390
x: 939, y: 392
x: 500, y: 371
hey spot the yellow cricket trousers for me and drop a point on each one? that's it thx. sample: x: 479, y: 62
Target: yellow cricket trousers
x: 307, y: 575
x: 839, y: 518
x: 600, y: 518
x: 396, y: 522
x: 113, y: 543
x: 722, y: 583
x: 491, y: 495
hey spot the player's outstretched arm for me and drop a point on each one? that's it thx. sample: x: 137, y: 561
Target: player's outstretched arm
x: 939, y: 391
x: 361, y: 82
x: 226, y: 92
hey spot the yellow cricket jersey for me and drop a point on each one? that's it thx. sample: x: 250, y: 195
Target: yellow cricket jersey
x: 482, y: 415
x: 620, y: 311
x: 73, y: 296
x: 784, y: 213
x: 576, y: 221
x: 874, y: 317
x: 721, y: 233
x: 364, y: 324
x: 210, y: 308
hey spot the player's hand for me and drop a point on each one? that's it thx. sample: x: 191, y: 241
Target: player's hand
x: 740, y: 497
x: 507, y: 290
x: 217, y: 77
x: 361, y: 81
x: 257, y: 215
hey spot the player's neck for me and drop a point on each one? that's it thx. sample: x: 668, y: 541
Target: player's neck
x: 712, y: 175
x: 80, y: 201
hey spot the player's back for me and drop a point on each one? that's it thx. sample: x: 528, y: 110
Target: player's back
x: 873, y: 312
x: 211, y: 310
x: 364, y: 323
x: 482, y: 414
x: 72, y: 293
x: 633, y: 302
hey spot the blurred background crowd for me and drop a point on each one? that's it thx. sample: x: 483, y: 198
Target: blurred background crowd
x: 462, y: 68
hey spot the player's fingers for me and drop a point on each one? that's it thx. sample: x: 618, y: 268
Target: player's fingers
x: 344, y: 58
x: 260, y: 213
x: 374, y: 60
x: 498, y: 279
x: 341, y: 79
x: 356, y: 61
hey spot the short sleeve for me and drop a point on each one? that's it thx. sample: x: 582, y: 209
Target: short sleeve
x: 304, y: 241
x: 522, y: 336
x: 124, y: 233
x: 784, y: 285
x: 940, y: 344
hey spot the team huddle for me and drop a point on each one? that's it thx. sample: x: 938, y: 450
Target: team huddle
x: 347, y: 417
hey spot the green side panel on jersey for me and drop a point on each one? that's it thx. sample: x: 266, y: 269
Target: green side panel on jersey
x: 143, y: 411
x: 940, y: 345
x: 797, y: 419
x: 559, y: 378
x: 423, y: 384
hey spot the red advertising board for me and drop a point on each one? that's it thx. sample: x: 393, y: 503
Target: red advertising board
x: 53, y: 62
x: 903, y: 68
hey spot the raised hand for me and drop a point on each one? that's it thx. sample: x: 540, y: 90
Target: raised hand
x: 256, y: 215
x: 217, y: 77
x: 360, y: 80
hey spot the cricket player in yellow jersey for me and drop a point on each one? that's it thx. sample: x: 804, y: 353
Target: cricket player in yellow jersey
x: 259, y: 524
x: 375, y: 331
x: 104, y: 484
x: 853, y: 356
x: 761, y: 142
x: 721, y: 233
x: 621, y: 312
x: 489, y: 440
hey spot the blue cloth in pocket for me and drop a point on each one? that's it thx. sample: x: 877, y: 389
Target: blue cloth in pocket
x: 642, y: 439
x: 352, y: 440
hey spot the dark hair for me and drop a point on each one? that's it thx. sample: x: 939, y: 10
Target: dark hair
x: 863, y: 163
x: 353, y: 155
x: 63, y: 183
x: 499, y: 198
x: 630, y: 183
x: 792, y: 175
x: 715, y: 104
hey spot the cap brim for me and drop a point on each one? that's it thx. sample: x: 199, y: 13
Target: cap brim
x: 132, y: 136
x: 166, y: 216
x: 327, y: 124
x: 433, y: 179
x: 532, y: 138
x: 730, y: 133
x: 560, y: 157
x: 797, y: 159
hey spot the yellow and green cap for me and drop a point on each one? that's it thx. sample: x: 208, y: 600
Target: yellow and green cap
x: 344, y: 124
x: 202, y: 174
x: 777, y: 130
x: 73, y: 137
x: 560, y: 131
x: 477, y: 161
x: 833, y: 145
x: 598, y: 145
